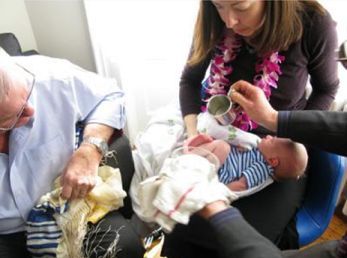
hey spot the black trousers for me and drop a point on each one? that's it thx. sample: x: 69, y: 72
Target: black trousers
x: 128, y: 246
x: 13, y: 246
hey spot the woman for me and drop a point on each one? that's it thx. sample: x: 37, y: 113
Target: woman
x: 275, y: 45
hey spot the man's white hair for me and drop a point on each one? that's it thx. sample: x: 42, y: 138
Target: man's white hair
x: 10, y: 76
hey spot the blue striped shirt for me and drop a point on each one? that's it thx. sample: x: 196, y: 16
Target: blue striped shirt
x: 250, y: 164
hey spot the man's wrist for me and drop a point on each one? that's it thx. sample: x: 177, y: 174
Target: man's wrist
x: 212, y: 208
x: 98, y: 143
x: 272, y: 121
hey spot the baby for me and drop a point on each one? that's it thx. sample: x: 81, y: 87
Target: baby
x: 279, y: 158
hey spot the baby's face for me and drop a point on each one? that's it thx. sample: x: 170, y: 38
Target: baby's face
x: 271, y: 145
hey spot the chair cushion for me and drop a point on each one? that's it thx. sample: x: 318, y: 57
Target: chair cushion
x: 10, y: 44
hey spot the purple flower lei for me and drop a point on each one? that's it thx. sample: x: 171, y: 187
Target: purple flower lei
x: 267, y: 74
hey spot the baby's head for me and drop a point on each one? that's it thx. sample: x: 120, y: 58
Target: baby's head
x: 288, y: 158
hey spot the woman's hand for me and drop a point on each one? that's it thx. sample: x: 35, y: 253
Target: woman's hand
x: 254, y: 103
x: 191, y: 122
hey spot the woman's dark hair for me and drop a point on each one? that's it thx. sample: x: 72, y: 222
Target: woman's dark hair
x: 282, y: 26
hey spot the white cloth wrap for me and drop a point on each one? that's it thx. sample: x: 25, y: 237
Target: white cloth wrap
x: 208, y: 124
x: 184, y: 185
x: 162, y: 135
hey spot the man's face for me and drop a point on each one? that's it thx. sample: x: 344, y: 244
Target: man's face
x: 14, y: 109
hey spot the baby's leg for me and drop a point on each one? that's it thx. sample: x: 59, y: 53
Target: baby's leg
x: 219, y: 148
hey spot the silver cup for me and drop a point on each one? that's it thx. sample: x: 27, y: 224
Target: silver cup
x: 221, y: 108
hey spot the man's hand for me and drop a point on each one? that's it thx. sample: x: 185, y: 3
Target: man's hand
x: 79, y: 176
x: 212, y: 209
x: 254, y: 103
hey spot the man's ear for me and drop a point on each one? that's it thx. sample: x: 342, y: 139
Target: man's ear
x: 274, y: 161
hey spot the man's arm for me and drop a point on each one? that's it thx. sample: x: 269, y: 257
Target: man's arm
x: 80, y: 173
x: 99, y: 104
x: 323, y: 129
x: 236, y: 238
x: 327, y: 130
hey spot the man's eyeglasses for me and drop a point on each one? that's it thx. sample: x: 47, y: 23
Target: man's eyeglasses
x: 19, y: 114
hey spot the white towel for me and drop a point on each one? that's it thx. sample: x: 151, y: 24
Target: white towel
x: 207, y: 124
x: 184, y: 185
x: 163, y: 134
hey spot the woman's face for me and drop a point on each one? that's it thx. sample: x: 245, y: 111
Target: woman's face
x: 244, y: 17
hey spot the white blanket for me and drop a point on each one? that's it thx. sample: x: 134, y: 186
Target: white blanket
x: 163, y: 134
x: 207, y: 124
x: 184, y: 185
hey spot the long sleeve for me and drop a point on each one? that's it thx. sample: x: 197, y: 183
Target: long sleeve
x: 98, y: 99
x: 190, y: 87
x: 236, y: 238
x: 327, y: 130
x: 320, y: 43
x: 313, y: 56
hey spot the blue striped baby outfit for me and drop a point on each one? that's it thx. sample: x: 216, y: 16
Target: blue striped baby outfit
x: 250, y: 164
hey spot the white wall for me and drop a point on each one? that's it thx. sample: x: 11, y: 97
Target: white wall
x: 145, y: 43
x: 14, y: 18
x: 60, y: 29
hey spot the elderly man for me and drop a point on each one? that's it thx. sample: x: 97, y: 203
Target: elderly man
x: 41, y: 100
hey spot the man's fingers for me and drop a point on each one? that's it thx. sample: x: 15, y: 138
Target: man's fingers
x: 84, y: 186
x: 240, y: 86
x: 79, y: 189
x: 66, y: 192
x: 82, y: 193
x: 240, y: 99
x: 91, y: 184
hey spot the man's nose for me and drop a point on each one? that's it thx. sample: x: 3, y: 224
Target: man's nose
x: 28, y: 111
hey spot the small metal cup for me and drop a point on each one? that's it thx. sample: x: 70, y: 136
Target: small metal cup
x: 221, y: 107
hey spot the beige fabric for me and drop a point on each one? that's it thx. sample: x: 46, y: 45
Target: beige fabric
x: 106, y: 196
